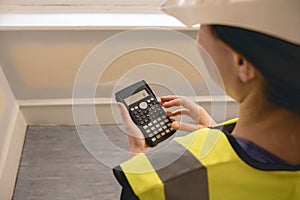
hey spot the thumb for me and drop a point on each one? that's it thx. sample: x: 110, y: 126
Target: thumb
x: 124, y: 114
x: 178, y: 125
x: 132, y: 130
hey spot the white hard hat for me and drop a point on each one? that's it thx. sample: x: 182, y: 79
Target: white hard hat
x: 278, y: 18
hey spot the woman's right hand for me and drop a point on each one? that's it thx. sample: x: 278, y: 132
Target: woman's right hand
x: 191, y: 109
x: 137, y: 143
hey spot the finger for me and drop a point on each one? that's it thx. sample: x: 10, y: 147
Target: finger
x: 171, y: 103
x: 124, y: 114
x: 164, y: 99
x: 130, y: 126
x: 177, y: 125
x: 180, y: 101
x: 169, y: 113
x: 168, y: 98
x: 179, y: 112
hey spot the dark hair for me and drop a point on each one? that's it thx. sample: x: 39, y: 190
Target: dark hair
x: 276, y: 59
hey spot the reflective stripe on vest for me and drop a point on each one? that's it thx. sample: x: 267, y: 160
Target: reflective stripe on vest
x: 205, y: 166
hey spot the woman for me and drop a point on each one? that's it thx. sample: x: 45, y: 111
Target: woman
x: 257, y: 156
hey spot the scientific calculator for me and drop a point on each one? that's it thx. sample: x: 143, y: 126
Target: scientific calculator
x: 146, y: 112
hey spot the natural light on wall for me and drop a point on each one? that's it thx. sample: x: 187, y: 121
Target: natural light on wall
x: 94, y: 14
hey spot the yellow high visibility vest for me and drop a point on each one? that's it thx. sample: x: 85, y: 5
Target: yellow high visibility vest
x: 208, y: 164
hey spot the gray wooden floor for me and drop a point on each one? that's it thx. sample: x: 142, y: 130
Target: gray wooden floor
x: 55, y: 165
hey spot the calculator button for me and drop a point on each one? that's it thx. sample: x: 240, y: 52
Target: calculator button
x: 160, y: 129
x: 158, y: 136
x: 152, y: 128
x: 143, y: 105
x: 163, y: 133
x: 159, y: 119
x: 153, y: 139
x: 150, y: 124
x: 161, y: 123
x: 155, y: 121
x: 148, y: 131
x: 166, y: 120
x: 155, y: 132
x: 164, y: 117
x: 157, y: 125
x: 151, y: 135
x: 165, y: 127
x: 145, y: 127
x: 167, y: 131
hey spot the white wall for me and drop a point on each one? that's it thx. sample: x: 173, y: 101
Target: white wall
x: 43, y: 64
x: 41, y: 67
x: 12, y: 132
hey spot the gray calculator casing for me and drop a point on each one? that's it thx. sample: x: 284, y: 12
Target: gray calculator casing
x: 146, y: 112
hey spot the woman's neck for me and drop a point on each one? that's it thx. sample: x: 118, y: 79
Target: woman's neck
x: 274, y: 129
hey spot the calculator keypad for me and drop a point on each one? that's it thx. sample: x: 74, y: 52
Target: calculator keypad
x: 151, y: 118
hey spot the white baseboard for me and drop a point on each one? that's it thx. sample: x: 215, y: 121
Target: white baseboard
x: 11, y: 159
x: 59, y: 111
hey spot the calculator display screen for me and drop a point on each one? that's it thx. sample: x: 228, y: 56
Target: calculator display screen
x: 136, y: 97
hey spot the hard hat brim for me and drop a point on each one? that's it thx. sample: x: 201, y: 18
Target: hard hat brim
x: 281, y: 20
